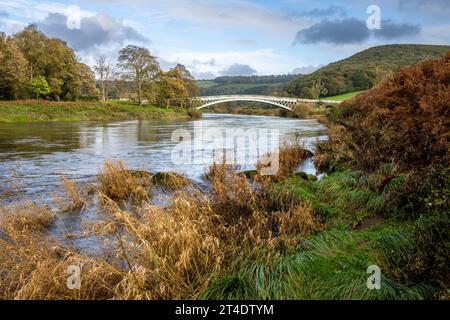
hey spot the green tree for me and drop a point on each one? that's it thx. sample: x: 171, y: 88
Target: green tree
x: 139, y: 65
x: 39, y: 87
x: 13, y: 69
x: 318, y: 89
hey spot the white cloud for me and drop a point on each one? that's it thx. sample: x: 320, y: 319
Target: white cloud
x: 35, y: 10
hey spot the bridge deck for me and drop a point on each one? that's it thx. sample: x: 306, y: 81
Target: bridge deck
x: 282, y: 102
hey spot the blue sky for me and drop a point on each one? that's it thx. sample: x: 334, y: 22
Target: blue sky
x: 239, y: 37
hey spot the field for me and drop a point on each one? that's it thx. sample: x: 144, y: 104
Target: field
x: 42, y: 111
x: 343, y: 97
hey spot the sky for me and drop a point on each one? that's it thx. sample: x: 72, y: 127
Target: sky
x: 239, y: 37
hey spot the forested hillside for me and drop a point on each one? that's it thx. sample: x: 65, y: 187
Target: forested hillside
x: 362, y: 70
x: 245, y: 85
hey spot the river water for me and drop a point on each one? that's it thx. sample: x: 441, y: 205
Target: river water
x: 34, y: 156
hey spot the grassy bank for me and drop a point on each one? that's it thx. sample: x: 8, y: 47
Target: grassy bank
x: 42, y: 111
x: 290, y: 238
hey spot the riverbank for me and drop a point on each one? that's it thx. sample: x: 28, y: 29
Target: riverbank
x: 290, y: 238
x: 51, y: 111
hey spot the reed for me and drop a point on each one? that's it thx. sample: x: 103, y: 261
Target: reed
x: 117, y: 182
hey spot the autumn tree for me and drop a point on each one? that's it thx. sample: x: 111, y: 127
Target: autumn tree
x: 13, y: 67
x: 189, y: 81
x: 54, y: 60
x: 139, y: 65
x: 171, y: 89
x: 88, y: 87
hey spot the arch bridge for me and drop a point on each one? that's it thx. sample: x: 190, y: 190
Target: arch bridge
x: 282, y: 102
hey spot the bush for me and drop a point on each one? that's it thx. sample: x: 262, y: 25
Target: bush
x: 404, y: 121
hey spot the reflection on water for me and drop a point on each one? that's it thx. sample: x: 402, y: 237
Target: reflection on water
x: 37, y: 154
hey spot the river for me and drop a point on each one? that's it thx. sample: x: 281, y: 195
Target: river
x: 34, y: 156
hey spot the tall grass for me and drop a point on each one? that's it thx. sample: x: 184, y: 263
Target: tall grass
x: 117, y: 182
x: 282, y: 239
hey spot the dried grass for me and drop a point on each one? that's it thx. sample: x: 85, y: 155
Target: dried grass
x: 117, y: 182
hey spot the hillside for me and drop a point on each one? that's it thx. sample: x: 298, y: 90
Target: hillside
x: 364, y: 69
x: 245, y: 85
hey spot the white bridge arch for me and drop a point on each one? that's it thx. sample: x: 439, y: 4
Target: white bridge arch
x: 282, y: 102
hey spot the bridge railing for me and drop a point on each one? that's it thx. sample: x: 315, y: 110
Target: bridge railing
x: 244, y: 96
x: 262, y: 97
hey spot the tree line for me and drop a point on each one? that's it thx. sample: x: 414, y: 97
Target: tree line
x: 33, y: 65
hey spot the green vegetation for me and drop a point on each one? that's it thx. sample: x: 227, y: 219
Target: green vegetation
x: 52, y: 66
x: 33, y: 65
x: 343, y: 97
x: 244, y: 85
x: 42, y: 111
x: 364, y: 70
x: 39, y: 87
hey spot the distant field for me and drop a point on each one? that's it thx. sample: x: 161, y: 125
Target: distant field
x: 343, y: 97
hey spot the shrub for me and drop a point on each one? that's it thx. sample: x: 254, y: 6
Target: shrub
x: 404, y: 121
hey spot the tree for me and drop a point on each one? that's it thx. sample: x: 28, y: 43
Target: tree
x: 88, y: 88
x: 39, y: 87
x: 13, y: 69
x: 140, y: 66
x: 54, y: 60
x: 318, y: 89
x: 105, y: 72
x: 189, y: 81
x: 171, y: 89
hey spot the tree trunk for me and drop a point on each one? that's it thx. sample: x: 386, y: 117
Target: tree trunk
x: 103, y: 91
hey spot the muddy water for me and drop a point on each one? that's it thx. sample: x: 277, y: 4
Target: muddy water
x: 34, y: 156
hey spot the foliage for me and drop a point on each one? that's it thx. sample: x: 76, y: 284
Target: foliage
x: 68, y: 79
x: 398, y: 135
x: 403, y: 121
x: 318, y: 89
x: 245, y: 85
x: 39, y: 87
x: 171, y: 89
x: 139, y: 65
x: 13, y: 66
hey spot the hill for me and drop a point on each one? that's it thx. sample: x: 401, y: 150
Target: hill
x: 245, y: 85
x: 365, y: 69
